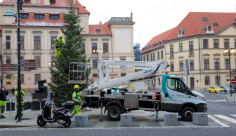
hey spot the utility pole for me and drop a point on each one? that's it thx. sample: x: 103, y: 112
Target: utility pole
x: 19, y: 7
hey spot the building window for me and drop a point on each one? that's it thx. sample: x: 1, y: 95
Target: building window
x: 180, y: 47
x: 181, y: 66
x: 209, y: 28
x: 95, y: 64
x: 37, y: 42
x: 226, y: 63
x: 158, y: 57
x: 38, y: 61
x: 8, y: 42
x: 226, y: 43
x: 37, y: 77
x: 234, y: 43
x: 22, y: 43
x: 8, y: 76
x: 105, y: 48
x: 161, y: 54
x: 216, y: 43
x: 206, y: 64
x: 205, y: 43
x: 217, y: 63
x: 191, y: 48
x: 38, y: 16
x: 8, y: 60
x: 26, y: 1
x: 143, y: 58
x: 53, y: 64
x: 53, y: 44
x: 22, y: 78
x: 172, y: 67
x: 147, y: 57
x: 153, y: 57
x: 52, y: 1
x: 191, y: 65
x: 95, y: 75
x: 22, y: 58
x: 94, y: 48
x: 82, y: 45
x: 171, y: 51
x: 217, y: 80
x: 207, y: 80
x: 123, y: 74
x: 23, y: 16
x: 54, y: 17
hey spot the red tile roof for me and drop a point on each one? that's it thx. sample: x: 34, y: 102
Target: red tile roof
x: 104, y: 29
x: 59, y: 3
x: 193, y: 24
x: 156, y: 39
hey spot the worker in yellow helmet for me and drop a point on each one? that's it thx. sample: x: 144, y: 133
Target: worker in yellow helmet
x: 59, y: 43
x: 77, y: 99
x: 22, y: 102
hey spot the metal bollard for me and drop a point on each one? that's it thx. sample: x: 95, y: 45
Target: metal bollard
x: 10, y: 106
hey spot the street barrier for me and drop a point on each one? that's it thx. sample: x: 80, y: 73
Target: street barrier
x: 170, y: 119
x: 200, y: 118
x: 81, y: 120
x: 126, y: 120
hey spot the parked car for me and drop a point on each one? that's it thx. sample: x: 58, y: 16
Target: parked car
x: 227, y: 89
x: 215, y: 89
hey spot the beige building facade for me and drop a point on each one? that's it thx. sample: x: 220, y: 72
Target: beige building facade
x: 41, y: 23
x: 203, y: 41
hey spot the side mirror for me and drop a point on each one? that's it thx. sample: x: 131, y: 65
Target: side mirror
x: 166, y: 94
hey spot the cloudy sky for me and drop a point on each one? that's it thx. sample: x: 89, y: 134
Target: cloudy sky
x: 152, y: 17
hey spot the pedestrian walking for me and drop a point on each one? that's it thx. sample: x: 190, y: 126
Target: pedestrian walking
x: 13, y: 91
x: 3, y: 96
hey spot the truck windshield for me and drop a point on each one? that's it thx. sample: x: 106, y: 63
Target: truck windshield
x: 176, y: 84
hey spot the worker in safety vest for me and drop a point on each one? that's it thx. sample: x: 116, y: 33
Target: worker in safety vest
x: 3, y: 96
x: 59, y: 43
x: 22, y: 103
x: 77, y: 99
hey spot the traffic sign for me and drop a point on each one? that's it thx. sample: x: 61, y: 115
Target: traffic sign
x: 233, y: 81
x: 197, y: 80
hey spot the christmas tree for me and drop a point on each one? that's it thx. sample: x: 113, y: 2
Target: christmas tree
x: 71, y: 51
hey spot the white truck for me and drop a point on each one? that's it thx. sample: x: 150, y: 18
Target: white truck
x: 174, y: 96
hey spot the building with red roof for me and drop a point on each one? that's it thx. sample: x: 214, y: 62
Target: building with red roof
x: 41, y: 21
x: 202, y: 38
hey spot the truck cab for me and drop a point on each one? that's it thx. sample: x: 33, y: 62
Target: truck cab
x: 177, y: 97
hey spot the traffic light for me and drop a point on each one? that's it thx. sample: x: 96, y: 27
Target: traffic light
x: 41, y: 87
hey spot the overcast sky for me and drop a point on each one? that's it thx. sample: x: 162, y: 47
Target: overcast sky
x: 152, y: 17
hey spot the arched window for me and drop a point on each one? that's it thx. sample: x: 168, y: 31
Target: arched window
x: 209, y: 28
x: 180, y: 32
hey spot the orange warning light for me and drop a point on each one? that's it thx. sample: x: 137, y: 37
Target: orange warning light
x: 166, y: 72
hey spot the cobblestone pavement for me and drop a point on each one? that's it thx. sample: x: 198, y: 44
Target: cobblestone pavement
x: 221, y: 115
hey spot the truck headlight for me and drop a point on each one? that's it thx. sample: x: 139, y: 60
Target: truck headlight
x: 201, y: 98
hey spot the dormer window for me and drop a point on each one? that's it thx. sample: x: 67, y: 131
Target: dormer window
x: 209, y: 28
x: 234, y: 19
x: 204, y: 19
x: 26, y: 1
x: 52, y: 1
x: 180, y: 33
x: 23, y: 16
x: 38, y: 16
x: 98, y: 30
x: 54, y: 17
x: 215, y: 24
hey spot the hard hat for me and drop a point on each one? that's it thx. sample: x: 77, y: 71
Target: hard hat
x: 76, y: 87
x: 61, y: 36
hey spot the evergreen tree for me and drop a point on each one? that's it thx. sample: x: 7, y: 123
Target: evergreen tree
x: 71, y: 51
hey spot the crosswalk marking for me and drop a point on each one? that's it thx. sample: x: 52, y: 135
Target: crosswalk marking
x: 226, y: 118
x: 217, y: 121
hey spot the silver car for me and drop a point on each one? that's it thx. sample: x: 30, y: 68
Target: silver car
x: 227, y: 89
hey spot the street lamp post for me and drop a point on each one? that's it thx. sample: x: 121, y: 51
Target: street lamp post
x: 217, y: 67
x: 97, y: 51
x: 229, y: 51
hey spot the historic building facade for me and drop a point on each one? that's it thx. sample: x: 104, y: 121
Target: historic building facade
x: 41, y: 21
x: 202, y: 38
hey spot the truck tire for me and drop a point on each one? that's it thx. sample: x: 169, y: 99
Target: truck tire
x: 114, y: 112
x: 186, y: 113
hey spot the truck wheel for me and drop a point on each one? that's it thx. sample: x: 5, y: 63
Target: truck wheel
x: 114, y: 112
x: 186, y: 113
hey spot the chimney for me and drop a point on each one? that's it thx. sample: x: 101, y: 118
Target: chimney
x: 100, y: 22
x: 74, y: 2
x: 131, y: 16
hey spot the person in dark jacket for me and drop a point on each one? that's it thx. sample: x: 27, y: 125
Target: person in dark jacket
x: 3, y: 96
x: 13, y: 91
